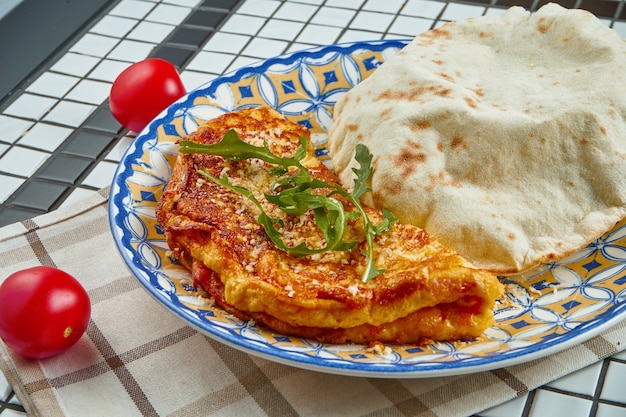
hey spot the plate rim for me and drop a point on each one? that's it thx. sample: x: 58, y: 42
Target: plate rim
x: 578, y: 335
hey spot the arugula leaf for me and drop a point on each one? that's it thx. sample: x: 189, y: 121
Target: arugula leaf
x: 293, y: 195
x: 233, y: 148
x: 363, y: 173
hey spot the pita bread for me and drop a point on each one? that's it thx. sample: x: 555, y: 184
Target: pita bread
x: 503, y: 136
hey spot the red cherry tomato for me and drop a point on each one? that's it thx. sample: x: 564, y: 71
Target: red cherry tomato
x: 143, y: 90
x: 43, y: 311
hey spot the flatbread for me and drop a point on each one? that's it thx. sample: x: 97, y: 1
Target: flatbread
x: 503, y: 136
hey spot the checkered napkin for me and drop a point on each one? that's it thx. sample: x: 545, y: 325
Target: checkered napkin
x: 137, y: 359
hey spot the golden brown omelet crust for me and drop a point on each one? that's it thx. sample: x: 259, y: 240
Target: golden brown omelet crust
x: 427, y: 291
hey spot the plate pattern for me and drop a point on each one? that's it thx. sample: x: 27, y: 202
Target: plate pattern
x: 544, y: 310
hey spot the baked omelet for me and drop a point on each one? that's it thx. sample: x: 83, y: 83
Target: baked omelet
x: 426, y: 292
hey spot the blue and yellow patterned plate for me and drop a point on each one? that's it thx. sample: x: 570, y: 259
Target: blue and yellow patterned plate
x: 545, y: 310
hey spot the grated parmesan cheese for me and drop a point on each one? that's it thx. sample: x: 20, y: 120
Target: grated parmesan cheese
x: 354, y: 289
x: 289, y: 288
x: 379, y: 348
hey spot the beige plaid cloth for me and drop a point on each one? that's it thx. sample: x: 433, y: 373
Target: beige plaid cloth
x: 137, y: 359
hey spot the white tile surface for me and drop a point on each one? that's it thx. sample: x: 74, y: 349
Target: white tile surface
x: 333, y: 16
x: 186, y: 3
x: 194, y: 79
x: 131, y: 51
x: 114, y: 26
x: 319, y: 35
x: 75, y: 64
x: 5, y: 388
x: 456, y: 11
x: 259, y: 7
x: 295, y: 12
x: 108, y: 70
x: 389, y: 6
x: 281, y: 29
x: 227, y: 42
x: 151, y: 32
x: 212, y: 62
x: 69, y: 113
x: 552, y: 404
x: 11, y: 128
x: 101, y: 175
x: 608, y: 410
x: 88, y: 91
x: 169, y: 14
x: 371, y: 21
x: 494, y: 11
x: 620, y: 27
x: 297, y: 46
x: 264, y: 48
x: 242, y: 24
x: 21, y: 161
x: 45, y: 136
x: 119, y: 149
x: 392, y: 36
x: 614, y: 388
x: 358, y: 35
x: 348, y: 4
x: 581, y: 382
x: 8, y: 185
x: 312, y: 2
x: 51, y: 84
x: 621, y: 355
x: 410, y: 26
x: 423, y: 8
x: 132, y: 8
x: 241, y: 61
x: 94, y: 45
x: 30, y: 106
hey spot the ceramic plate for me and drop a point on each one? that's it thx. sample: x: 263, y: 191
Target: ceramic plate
x: 547, y: 309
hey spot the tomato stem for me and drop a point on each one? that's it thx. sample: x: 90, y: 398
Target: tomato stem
x: 67, y: 332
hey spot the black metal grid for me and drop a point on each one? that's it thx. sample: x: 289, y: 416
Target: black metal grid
x: 90, y: 142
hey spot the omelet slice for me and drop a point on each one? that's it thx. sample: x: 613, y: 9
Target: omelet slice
x: 426, y: 292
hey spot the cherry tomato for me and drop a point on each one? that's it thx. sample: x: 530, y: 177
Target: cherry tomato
x: 143, y: 90
x: 43, y: 311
